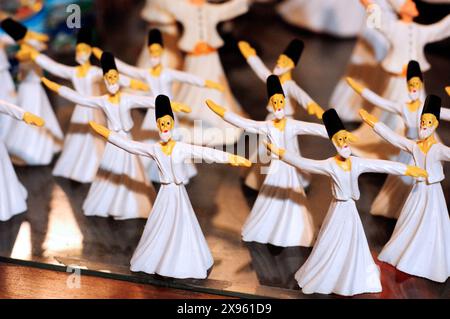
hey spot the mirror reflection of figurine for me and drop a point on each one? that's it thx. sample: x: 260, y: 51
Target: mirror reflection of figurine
x: 172, y: 244
x: 281, y: 214
x: 294, y: 94
x: 340, y: 261
x: 32, y: 145
x: 420, y: 243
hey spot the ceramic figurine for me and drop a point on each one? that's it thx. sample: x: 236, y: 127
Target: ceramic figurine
x: 160, y: 79
x: 13, y: 195
x: 120, y: 188
x: 281, y: 214
x: 340, y: 261
x: 340, y: 18
x: 156, y: 17
x: 172, y: 244
x: 201, y: 41
x: 420, y: 243
x: 32, y: 145
x: 294, y: 94
x: 7, y: 89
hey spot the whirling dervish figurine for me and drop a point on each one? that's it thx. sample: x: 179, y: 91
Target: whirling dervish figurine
x: 286, y: 62
x: 281, y: 214
x: 420, y: 243
x: 121, y: 188
x: 201, y: 41
x: 13, y: 195
x: 340, y: 261
x: 172, y: 244
x: 32, y: 145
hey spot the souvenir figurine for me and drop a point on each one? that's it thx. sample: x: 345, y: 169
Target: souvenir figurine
x: 172, y: 244
x: 420, y: 243
x: 392, y: 196
x: 156, y: 17
x: 160, y: 80
x: 201, y: 41
x: 120, y: 188
x: 32, y: 145
x: 82, y: 151
x: 283, y: 69
x: 7, y: 89
x: 340, y: 261
x: 281, y: 214
x: 13, y: 195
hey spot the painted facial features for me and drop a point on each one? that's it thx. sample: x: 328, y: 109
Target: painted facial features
x: 414, y: 88
x: 112, y: 81
x: 428, y: 124
x: 165, y: 126
x: 284, y: 65
x: 155, y: 50
x: 341, y: 141
x: 82, y: 53
x: 277, y: 101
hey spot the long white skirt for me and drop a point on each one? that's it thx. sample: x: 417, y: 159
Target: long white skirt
x: 324, y: 16
x: 340, y: 261
x: 29, y: 144
x: 280, y: 215
x: 392, y: 196
x: 420, y: 244
x: 214, y: 130
x: 13, y: 195
x: 8, y: 94
x: 83, y: 149
x: 121, y: 188
x: 172, y: 244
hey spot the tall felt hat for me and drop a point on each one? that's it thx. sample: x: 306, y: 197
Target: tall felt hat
x: 432, y: 106
x: 332, y: 122
x: 84, y: 36
x: 154, y: 36
x: 294, y: 50
x: 163, y: 107
x: 273, y: 86
x: 15, y: 30
x: 413, y: 70
x: 108, y: 62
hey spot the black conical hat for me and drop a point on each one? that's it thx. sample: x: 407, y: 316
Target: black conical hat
x: 332, y: 122
x: 294, y: 50
x: 432, y: 105
x: 413, y: 70
x: 273, y: 86
x: 108, y: 62
x: 163, y: 107
x: 84, y: 36
x: 15, y: 30
x: 155, y: 36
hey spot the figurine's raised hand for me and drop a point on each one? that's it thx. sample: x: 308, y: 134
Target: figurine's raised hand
x: 368, y: 118
x: 214, y: 85
x: 246, y: 50
x: 97, y: 52
x: 447, y: 89
x: 51, y: 85
x: 416, y: 172
x: 26, y: 53
x: 236, y: 160
x: 100, y: 129
x: 216, y: 108
x: 139, y: 85
x: 32, y: 119
x: 358, y: 87
x: 180, y: 107
x: 275, y: 150
x: 314, y: 109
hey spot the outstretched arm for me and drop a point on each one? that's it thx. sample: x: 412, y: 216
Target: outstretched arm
x: 437, y: 31
x: 306, y: 128
x: 248, y: 125
x: 389, y: 167
x: 445, y: 114
x: 50, y: 65
x: 445, y: 153
x: 192, y: 79
x: 232, y: 9
x: 254, y: 61
x: 19, y: 114
x: 304, y: 100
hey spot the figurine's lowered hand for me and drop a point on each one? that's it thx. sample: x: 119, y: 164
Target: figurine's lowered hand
x: 368, y: 118
x: 51, y: 85
x: 416, y: 172
x: 314, y: 109
x: 100, y: 129
x: 358, y: 87
x: 275, y: 150
x: 214, y: 85
x: 180, y: 107
x: 32, y: 119
x: 216, y: 108
x: 246, y: 50
x: 236, y: 160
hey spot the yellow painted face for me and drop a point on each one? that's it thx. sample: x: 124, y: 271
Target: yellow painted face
x: 414, y: 84
x: 155, y: 50
x: 429, y: 120
x: 165, y: 123
x: 112, y: 77
x: 343, y: 138
x: 284, y: 62
x: 83, y: 48
x: 277, y: 101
